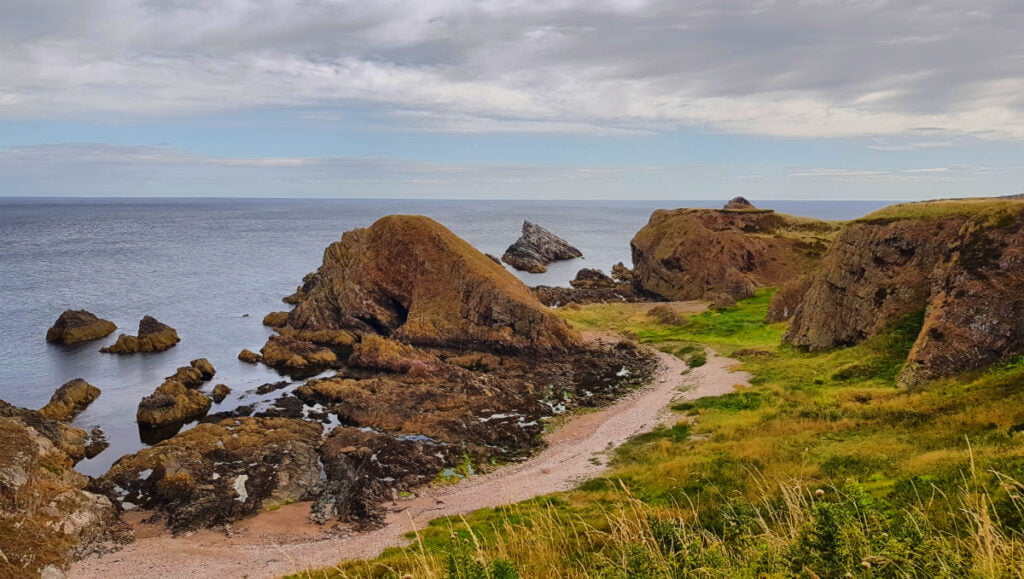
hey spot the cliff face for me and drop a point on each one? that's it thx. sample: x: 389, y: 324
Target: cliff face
x: 960, y: 261
x: 411, y: 279
x: 689, y: 254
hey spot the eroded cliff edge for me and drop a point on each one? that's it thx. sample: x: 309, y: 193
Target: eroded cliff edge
x: 961, y: 262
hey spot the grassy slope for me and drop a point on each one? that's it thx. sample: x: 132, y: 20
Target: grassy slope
x: 915, y: 483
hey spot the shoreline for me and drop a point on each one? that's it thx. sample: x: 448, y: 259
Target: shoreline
x: 279, y: 542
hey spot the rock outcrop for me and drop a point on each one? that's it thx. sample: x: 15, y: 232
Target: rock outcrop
x: 591, y: 278
x: 739, y: 204
x: 153, y: 337
x: 70, y: 400
x: 248, y: 356
x: 76, y: 326
x: 275, y: 319
x: 219, y: 473
x: 297, y: 357
x: 961, y: 261
x: 46, y: 516
x: 691, y: 254
x: 592, y: 286
x: 175, y: 402
x: 410, y: 279
x: 536, y: 248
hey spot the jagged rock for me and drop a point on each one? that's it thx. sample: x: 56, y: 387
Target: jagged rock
x: 536, y: 248
x: 205, y: 368
x: 70, y: 400
x: 690, y: 254
x: 621, y: 273
x: 171, y: 404
x: 153, y: 337
x: 275, y: 319
x: 249, y: 357
x: 410, y: 279
x: 297, y: 356
x: 739, y: 203
x: 76, y: 326
x: 220, y: 392
x: 961, y: 261
x: 219, y: 473
x: 46, y: 516
x: 379, y: 353
x: 591, y: 278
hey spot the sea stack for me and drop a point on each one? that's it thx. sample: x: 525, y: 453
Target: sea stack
x: 536, y: 248
x: 153, y: 337
x: 76, y: 326
x: 410, y: 279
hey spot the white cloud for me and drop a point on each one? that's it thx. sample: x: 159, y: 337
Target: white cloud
x: 782, y: 68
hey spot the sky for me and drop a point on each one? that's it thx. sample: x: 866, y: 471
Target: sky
x: 513, y: 99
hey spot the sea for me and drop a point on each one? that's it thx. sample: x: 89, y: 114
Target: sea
x: 212, y: 268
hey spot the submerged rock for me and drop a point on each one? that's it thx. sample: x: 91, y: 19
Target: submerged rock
x: 536, y: 248
x: 153, y: 337
x: 76, y: 326
x: 692, y: 254
x: 410, y: 279
x: 70, y: 400
x: 960, y: 262
x: 219, y: 473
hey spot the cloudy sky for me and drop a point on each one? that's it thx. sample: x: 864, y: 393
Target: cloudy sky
x: 630, y: 99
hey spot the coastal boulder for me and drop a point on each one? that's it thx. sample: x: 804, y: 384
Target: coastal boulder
x: 248, y: 356
x: 70, y: 400
x: 76, y: 326
x: 536, y: 248
x: 219, y: 473
x: 410, y: 279
x: 171, y: 404
x: 693, y: 254
x: 153, y: 337
x: 960, y: 262
x: 591, y: 278
x: 220, y: 392
x: 295, y: 356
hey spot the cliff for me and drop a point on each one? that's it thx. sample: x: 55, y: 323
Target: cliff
x: 411, y: 279
x: 961, y: 261
x: 690, y: 254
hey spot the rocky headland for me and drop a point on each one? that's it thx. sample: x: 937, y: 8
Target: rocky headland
x: 959, y: 263
x: 536, y: 248
x: 722, y: 255
x: 77, y: 326
x: 153, y: 336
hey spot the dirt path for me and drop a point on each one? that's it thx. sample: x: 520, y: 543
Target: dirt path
x: 275, y: 543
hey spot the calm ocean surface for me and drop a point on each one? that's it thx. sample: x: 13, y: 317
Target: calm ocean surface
x: 213, y: 267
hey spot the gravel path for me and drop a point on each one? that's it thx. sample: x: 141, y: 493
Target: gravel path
x: 279, y: 542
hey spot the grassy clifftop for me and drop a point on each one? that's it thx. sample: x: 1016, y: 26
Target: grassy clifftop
x: 823, y: 468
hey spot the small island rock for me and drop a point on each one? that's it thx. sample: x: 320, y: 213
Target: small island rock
x: 536, y: 248
x: 76, y: 326
x: 153, y: 337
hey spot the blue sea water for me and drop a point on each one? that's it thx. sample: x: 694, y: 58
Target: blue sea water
x: 213, y: 267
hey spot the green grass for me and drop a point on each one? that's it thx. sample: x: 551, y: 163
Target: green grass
x: 914, y: 483
x: 983, y: 209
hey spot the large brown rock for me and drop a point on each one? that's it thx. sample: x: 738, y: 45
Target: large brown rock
x: 690, y: 254
x: 76, y: 326
x: 46, y: 516
x: 412, y: 280
x: 536, y: 248
x: 219, y: 473
x: 70, y: 400
x: 153, y: 337
x: 295, y: 356
x: 961, y: 261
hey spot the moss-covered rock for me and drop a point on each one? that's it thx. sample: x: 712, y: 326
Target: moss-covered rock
x: 70, y: 400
